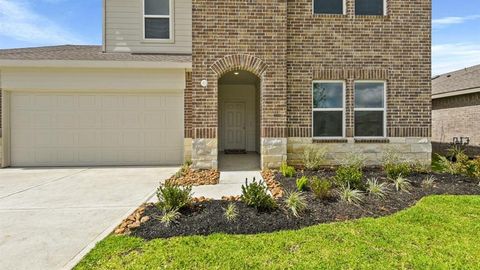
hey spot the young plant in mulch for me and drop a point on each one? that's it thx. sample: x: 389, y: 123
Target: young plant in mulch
x: 394, y: 166
x: 350, y: 195
x: 231, y: 213
x: 402, y: 184
x: 321, y: 188
x: 171, y: 199
x: 287, y: 171
x: 255, y: 194
x: 302, y: 183
x: 314, y: 158
x: 296, y: 203
x: 376, y: 189
x: 429, y: 182
x: 351, y: 171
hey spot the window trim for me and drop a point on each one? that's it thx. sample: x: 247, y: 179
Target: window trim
x: 171, y: 22
x: 343, y: 110
x: 384, y: 109
x: 344, y: 4
x: 385, y: 10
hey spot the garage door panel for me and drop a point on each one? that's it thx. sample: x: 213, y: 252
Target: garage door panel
x: 96, y: 129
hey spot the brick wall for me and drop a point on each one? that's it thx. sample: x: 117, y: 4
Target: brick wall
x: 457, y: 116
x: 395, y: 48
x: 299, y: 47
x: 249, y: 34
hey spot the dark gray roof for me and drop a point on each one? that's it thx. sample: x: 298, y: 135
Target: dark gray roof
x: 464, y: 79
x: 86, y: 53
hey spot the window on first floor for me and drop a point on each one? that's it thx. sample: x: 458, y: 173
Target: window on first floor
x: 328, y: 6
x: 370, y: 109
x: 328, y: 109
x: 370, y: 7
x: 157, y: 19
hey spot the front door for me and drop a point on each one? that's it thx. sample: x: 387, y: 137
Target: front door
x: 235, y: 126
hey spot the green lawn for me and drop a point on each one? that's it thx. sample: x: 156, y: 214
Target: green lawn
x: 441, y: 232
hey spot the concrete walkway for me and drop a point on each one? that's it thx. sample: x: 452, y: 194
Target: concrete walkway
x: 50, y: 218
x: 234, y: 169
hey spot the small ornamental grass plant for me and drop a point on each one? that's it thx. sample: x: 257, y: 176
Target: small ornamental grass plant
x: 172, y: 197
x: 314, y: 158
x: 402, y: 184
x: 256, y: 195
x: 296, y: 203
x: 429, y: 182
x: 287, y: 171
x: 231, y: 213
x: 170, y: 217
x: 321, y: 188
x: 376, y: 189
x: 302, y: 183
x: 351, y: 196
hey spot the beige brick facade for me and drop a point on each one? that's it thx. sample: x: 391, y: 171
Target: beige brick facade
x: 457, y: 116
x: 288, y: 47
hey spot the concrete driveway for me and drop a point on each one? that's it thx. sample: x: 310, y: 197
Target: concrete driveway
x: 49, y: 218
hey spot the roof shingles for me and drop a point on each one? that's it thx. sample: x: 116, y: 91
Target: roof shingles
x: 464, y: 79
x: 86, y: 53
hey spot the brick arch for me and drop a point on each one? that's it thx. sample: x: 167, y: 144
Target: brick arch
x: 239, y: 61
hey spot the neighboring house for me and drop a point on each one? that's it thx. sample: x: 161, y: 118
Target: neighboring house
x: 189, y: 79
x: 456, y: 110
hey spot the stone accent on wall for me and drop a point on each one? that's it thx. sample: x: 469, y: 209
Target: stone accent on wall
x: 204, y: 154
x: 1, y: 152
x: 187, y: 149
x: 416, y: 149
x: 273, y: 153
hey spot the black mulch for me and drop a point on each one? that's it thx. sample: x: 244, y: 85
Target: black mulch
x: 207, y: 218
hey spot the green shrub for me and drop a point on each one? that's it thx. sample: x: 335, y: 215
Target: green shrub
x: 287, y: 171
x: 376, y: 189
x: 402, y: 184
x: 314, y: 158
x: 352, y: 196
x: 170, y: 217
x: 394, y: 170
x: 256, y: 195
x: 321, y: 188
x: 302, y: 183
x: 172, y: 197
x: 231, y: 213
x: 296, y: 203
x: 349, y: 175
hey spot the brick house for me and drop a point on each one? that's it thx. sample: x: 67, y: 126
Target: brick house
x: 268, y: 77
x: 456, y: 110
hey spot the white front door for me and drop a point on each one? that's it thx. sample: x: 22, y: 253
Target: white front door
x: 234, y: 126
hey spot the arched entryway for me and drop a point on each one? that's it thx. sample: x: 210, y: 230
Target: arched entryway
x: 239, y: 121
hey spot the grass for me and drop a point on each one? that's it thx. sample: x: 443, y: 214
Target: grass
x: 440, y: 232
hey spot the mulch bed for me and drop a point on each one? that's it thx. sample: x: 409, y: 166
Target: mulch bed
x: 207, y: 217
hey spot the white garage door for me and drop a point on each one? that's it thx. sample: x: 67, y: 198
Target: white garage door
x: 96, y: 129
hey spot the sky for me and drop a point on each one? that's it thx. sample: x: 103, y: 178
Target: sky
x: 30, y: 23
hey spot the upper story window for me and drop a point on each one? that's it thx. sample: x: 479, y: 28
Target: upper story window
x: 329, y: 6
x: 370, y: 109
x: 328, y: 109
x: 370, y: 7
x: 157, y: 19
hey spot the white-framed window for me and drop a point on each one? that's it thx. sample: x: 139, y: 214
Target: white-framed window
x: 328, y: 109
x: 329, y: 7
x: 371, y: 7
x: 157, y: 20
x: 370, y: 113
